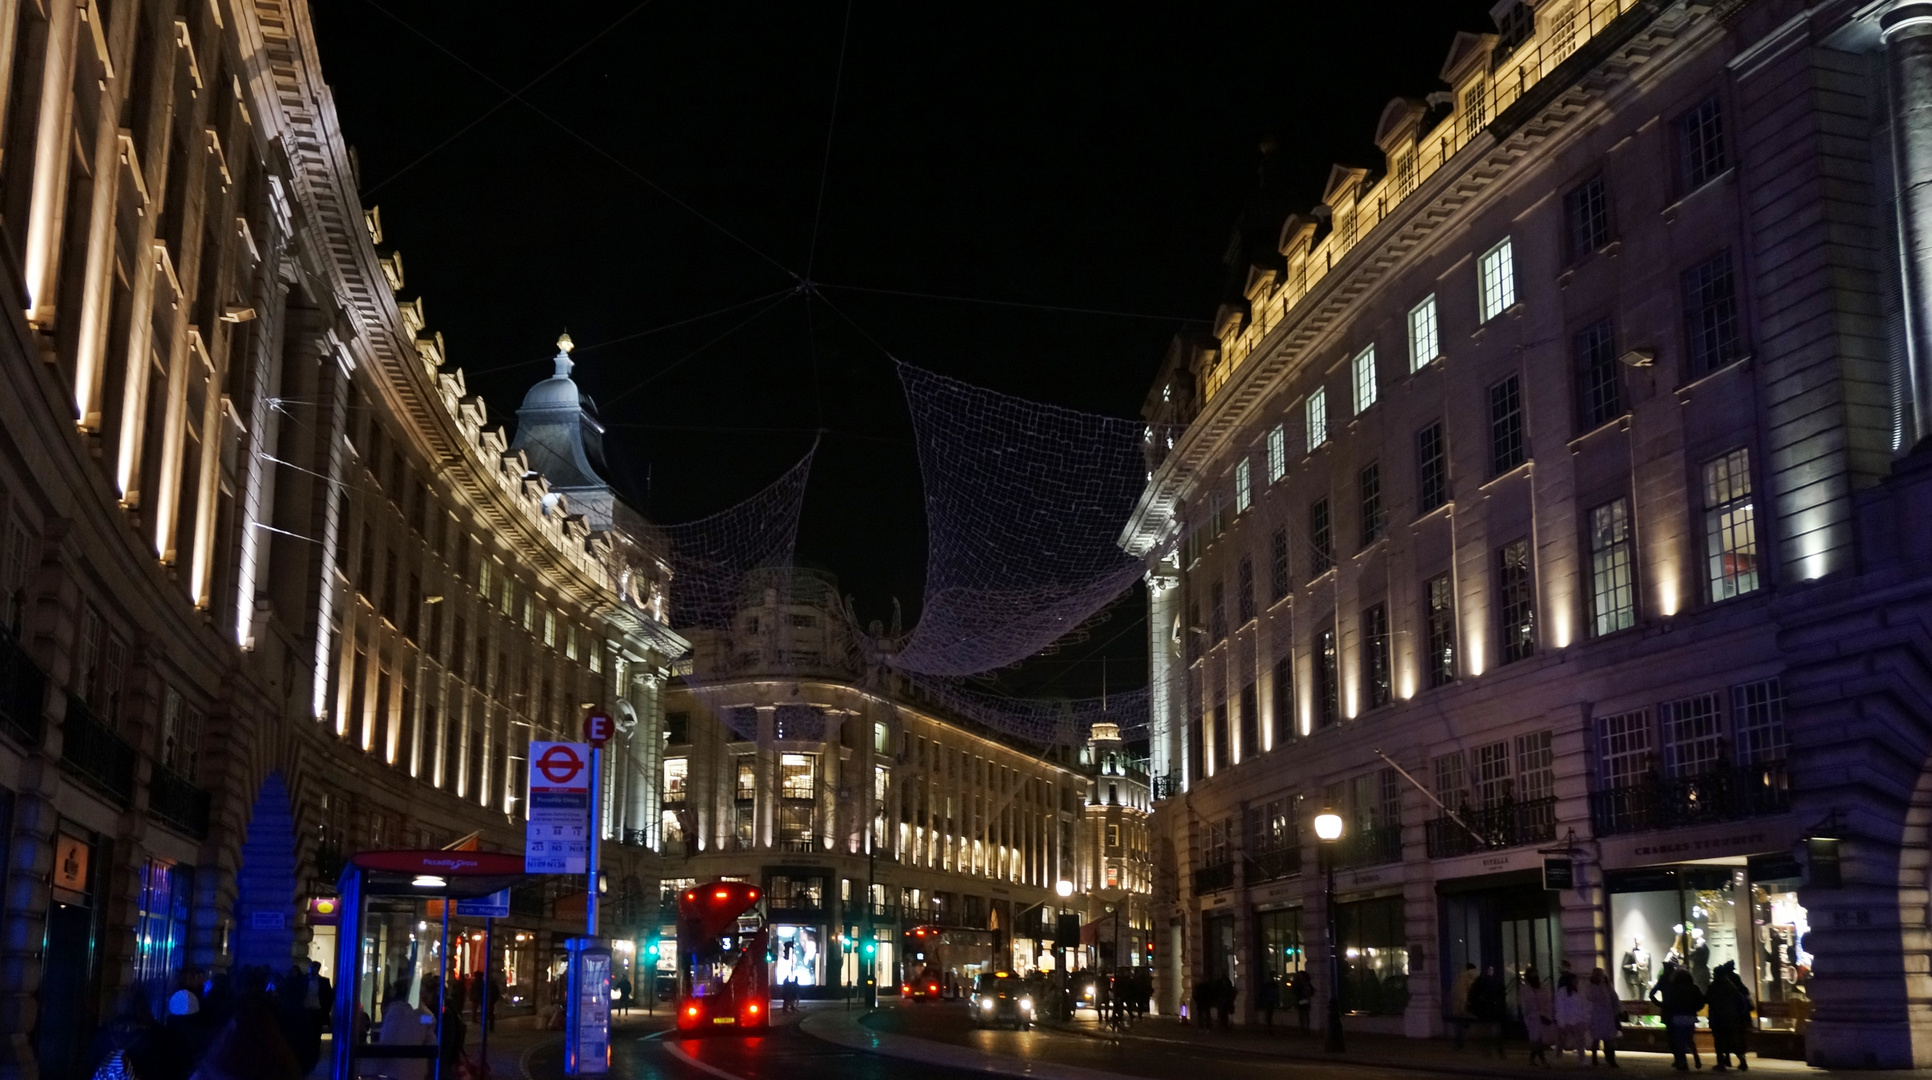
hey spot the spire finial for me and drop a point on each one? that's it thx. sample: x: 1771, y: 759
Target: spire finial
x: 564, y: 345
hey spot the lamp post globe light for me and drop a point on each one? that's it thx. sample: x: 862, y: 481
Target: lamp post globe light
x: 1063, y: 888
x: 1328, y: 827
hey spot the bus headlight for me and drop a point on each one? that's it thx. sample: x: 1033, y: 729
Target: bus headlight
x: 1026, y: 1004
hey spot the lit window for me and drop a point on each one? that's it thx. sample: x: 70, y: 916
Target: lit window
x: 1475, y: 110
x: 1317, y: 418
x: 1613, y: 592
x: 675, y: 772
x: 1496, y: 280
x: 1243, y: 487
x: 1364, y: 379
x: 1423, y: 346
x: 1516, y: 601
x: 797, y: 773
x: 1441, y: 660
x: 1730, y: 526
x: 1277, y: 453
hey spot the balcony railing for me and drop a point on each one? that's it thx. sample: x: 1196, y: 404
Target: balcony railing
x: 1370, y: 846
x: 1214, y: 877
x: 93, y: 752
x: 1726, y: 794
x: 1504, y: 825
x: 1272, y: 865
x: 23, y: 690
x: 175, y: 801
x: 1166, y: 787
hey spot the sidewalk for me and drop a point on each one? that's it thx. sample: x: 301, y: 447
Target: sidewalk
x: 1393, y: 1051
x: 516, y: 1038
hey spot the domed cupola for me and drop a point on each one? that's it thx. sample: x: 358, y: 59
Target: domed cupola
x: 558, y: 429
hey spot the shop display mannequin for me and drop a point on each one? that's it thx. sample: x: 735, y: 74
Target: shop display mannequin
x: 1700, y: 959
x: 1636, y: 970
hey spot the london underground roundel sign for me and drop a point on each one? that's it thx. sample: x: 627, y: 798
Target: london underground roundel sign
x: 560, y: 764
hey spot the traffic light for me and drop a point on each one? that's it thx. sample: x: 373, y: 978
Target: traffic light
x: 1150, y: 952
x: 871, y: 947
x: 651, y: 947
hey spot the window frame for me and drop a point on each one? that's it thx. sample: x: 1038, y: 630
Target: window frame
x: 1737, y: 462
x: 1321, y: 538
x: 1496, y: 281
x: 1315, y: 414
x: 1611, y: 557
x: 1508, y: 431
x: 1243, y: 485
x: 1515, y: 602
x: 1695, y: 166
x: 1439, y: 623
x: 1377, y: 665
x: 1712, y: 311
x: 1586, y: 206
x: 1431, y: 468
x: 1598, y: 374
x: 1277, y: 453
x: 1423, y: 325
x: 1374, y: 515
x: 1362, y: 372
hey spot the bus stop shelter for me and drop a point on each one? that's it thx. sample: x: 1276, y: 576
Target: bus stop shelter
x: 449, y: 876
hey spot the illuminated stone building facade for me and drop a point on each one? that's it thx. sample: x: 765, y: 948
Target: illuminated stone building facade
x: 276, y: 587
x: 792, y: 763
x: 1554, y: 494
x: 1116, y: 865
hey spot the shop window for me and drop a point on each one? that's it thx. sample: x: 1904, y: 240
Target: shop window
x: 1375, y: 956
x: 1278, y: 946
x: 1781, y: 928
x: 1686, y: 916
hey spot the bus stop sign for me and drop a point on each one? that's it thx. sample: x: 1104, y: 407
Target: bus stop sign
x: 598, y: 729
x: 557, y: 838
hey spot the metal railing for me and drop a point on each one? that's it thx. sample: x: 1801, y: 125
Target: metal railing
x: 1373, y: 845
x: 1214, y: 877
x: 1725, y: 794
x: 94, y: 753
x: 23, y: 692
x: 1272, y: 865
x: 1504, y: 825
x: 1166, y: 787
x: 174, y: 800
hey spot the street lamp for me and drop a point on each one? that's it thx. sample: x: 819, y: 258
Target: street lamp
x: 1063, y: 888
x: 1328, y: 826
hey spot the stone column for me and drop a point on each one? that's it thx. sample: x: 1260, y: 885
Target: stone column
x: 1163, y: 688
x: 1907, y: 32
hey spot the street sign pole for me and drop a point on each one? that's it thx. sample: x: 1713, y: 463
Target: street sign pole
x: 596, y: 835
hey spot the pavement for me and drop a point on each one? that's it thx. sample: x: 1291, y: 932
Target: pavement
x: 937, y: 1041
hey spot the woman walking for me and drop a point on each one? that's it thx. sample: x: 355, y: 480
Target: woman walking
x: 1679, y: 1000
x: 1572, y: 1013
x: 1539, y: 1015
x: 1604, y: 1011
x: 1730, y: 1013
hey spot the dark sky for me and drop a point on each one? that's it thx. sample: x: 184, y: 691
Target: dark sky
x: 1070, y: 155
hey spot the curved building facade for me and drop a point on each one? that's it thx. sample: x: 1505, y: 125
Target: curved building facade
x: 277, y: 588
x: 1545, y: 504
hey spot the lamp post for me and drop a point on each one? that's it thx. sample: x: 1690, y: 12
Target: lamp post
x: 1064, y: 890
x: 1328, y: 826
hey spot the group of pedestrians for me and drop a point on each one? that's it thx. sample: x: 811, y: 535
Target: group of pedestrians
x: 1586, y: 1015
x: 251, y: 1024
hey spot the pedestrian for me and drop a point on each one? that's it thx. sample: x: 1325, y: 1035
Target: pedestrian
x: 1679, y: 1000
x: 127, y: 1048
x: 1605, y: 1014
x: 1489, y: 1004
x: 1303, y: 989
x: 1204, y: 1005
x: 404, y: 1024
x: 1729, y: 1009
x: 297, y: 1024
x: 1572, y: 1013
x: 450, y: 1046
x: 1267, y: 998
x: 623, y: 989
x: 1224, y: 1001
x: 1460, y: 1016
x: 495, y: 997
x: 250, y: 1048
x: 1539, y: 1019
x: 319, y: 997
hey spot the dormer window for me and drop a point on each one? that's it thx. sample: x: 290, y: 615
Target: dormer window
x: 1514, y: 26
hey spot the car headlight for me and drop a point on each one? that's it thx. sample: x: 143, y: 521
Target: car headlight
x: 986, y: 1003
x: 1026, y: 1003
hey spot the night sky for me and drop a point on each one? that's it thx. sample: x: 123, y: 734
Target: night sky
x: 1069, y: 155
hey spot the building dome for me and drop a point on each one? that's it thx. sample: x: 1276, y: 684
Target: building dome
x: 557, y: 429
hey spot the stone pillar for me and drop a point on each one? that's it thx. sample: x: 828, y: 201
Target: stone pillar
x: 1907, y: 31
x: 1165, y: 672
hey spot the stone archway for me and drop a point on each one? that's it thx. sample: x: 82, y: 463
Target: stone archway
x: 265, y: 880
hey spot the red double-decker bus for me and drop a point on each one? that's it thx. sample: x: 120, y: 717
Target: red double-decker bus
x: 723, y: 970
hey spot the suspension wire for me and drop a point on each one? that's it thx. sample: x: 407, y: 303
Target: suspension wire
x: 517, y: 96
x: 680, y: 361
x: 1004, y: 303
x: 514, y: 95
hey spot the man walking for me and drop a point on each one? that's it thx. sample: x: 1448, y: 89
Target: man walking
x: 1459, y: 1011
